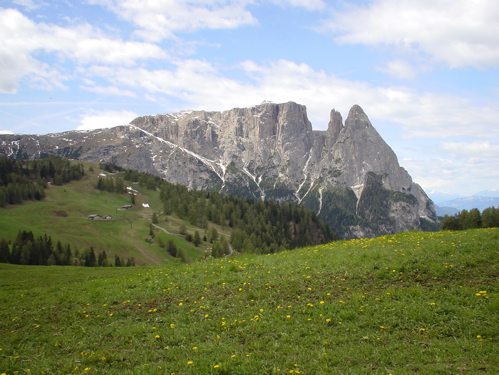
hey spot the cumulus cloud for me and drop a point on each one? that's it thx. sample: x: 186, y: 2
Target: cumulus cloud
x: 472, y: 150
x: 458, y: 33
x: 467, y: 176
x: 29, y: 4
x: 81, y: 44
x: 105, y: 119
x: 400, y: 69
x: 158, y: 20
x: 200, y: 84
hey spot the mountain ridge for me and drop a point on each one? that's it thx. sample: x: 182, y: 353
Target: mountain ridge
x: 268, y: 151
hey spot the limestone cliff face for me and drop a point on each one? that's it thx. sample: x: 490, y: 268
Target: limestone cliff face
x: 347, y: 173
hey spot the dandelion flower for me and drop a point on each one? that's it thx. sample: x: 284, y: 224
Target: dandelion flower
x: 190, y: 362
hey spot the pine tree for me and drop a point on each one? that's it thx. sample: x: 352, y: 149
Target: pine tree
x: 197, y: 239
x: 130, y: 262
x: 90, y: 259
x: 216, y: 250
x: 4, y: 251
x: 117, y: 261
x: 172, y: 248
x: 213, y: 234
x: 474, y: 218
x: 490, y: 217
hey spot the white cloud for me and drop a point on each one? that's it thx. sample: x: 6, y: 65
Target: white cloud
x: 5, y: 132
x: 458, y: 32
x: 400, y: 69
x: 105, y: 119
x: 307, y: 4
x: 158, y: 20
x: 108, y: 90
x: 82, y: 44
x: 421, y: 115
x: 472, y: 150
x: 29, y: 4
x: 465, y: 177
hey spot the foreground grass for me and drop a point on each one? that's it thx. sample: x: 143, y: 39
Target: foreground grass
x: 422, y: 303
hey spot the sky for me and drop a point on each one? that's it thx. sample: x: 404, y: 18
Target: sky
x: 426, y: 72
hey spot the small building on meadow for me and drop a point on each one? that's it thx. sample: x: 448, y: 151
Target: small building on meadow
x: 99, y: 217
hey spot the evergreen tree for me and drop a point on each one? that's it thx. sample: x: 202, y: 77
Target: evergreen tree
x: 172, y: 248
x: 90, y: 259
x: 197, y: 239
x: 490, y: 217
x: 4, y: 251
x: 450, y: 223
x: 213, y: 234
x: 182, y: 229
x: 216, y: 250
x: 474, y: 218
x: 130, y: 262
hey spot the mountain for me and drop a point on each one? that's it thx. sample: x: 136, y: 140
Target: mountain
x: 488, y: 193
x: 442, y: 196
x: 450, y: 204
x: 442, y: 211
x: 347, y: 174
x: 468, y: 203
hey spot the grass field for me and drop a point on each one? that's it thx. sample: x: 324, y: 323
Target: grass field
x: 63, y: 216
x: 411, y: 303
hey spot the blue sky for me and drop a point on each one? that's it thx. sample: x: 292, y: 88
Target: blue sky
x: 426, y: 72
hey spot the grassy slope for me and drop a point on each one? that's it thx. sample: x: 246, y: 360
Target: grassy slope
x: 125, y: 236
x: 423, y: 303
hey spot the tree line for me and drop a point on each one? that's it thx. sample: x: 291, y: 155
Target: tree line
x: 488, y: 218
x: 257, y: 226
x: 23, y: 180
x: 27, y: 249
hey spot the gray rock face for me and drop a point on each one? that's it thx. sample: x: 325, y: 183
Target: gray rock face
x: 347, y: 174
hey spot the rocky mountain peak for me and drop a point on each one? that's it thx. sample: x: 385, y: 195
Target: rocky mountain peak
x: 357, y: 117
x: 267, y: 151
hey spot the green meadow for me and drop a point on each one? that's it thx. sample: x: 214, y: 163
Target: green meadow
x: 63, y: 215
x: 411, y: 303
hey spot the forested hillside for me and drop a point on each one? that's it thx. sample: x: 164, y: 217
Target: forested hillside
x: 22, y: 180
x: 257, y: 226
x: 51, y: 203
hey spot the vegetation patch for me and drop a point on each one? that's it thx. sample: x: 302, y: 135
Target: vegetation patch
x: 414, y: 302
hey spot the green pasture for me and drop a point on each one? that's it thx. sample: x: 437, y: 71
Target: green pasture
x: 63, y: 215
x: 411, y: 303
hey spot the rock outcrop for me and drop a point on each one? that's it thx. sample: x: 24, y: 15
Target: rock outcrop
x: 347, y: 174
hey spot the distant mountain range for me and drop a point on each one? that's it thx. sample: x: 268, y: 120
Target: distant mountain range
x: 480, y: 200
